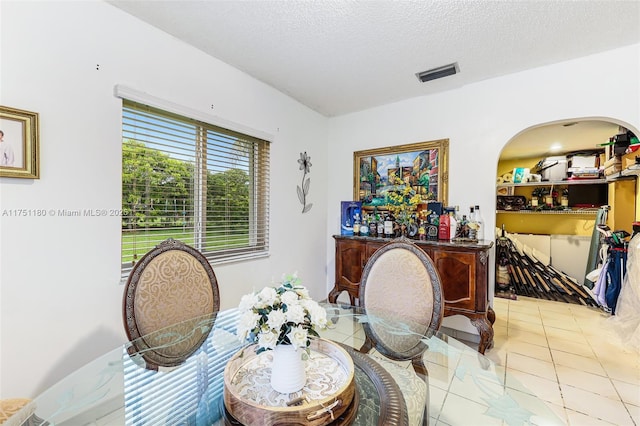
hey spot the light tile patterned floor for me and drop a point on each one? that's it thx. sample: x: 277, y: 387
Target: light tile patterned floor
x: 564, y: 354
x: 570, y: 357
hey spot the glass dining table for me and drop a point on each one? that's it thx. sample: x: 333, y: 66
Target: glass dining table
x: 117, y: 389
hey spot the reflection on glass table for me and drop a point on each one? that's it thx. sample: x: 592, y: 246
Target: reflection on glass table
x: 116, y: 389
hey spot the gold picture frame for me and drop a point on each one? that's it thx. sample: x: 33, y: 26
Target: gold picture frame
x: 19, y: 143
x: 423, y: 165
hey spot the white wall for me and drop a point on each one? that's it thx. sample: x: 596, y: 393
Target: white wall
x: 60, y: 297
x: 479, y: 119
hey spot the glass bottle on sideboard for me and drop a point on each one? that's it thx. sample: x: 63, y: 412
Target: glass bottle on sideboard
x: 480, y: 222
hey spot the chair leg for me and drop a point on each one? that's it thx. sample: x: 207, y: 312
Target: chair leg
x: 421, y: 369
x: 366, y: 346
x: 425, y: 416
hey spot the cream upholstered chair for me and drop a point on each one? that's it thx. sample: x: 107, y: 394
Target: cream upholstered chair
x: 401, y: 295
x: 170, y: 303
x: 17, y: 412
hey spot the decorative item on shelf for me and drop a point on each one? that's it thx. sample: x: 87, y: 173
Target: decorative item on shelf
x: 403, y: 205
x: 520, y: 174
x: 536, y: 195
x: 282, y: 316
x: 348, y: 212
x: 513, y: 202
x: 305, y: 164
x: 564, y: 202
x: 548, y: 197
x: 544, y: 199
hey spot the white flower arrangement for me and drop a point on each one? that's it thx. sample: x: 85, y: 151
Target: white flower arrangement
x: 283, y: 315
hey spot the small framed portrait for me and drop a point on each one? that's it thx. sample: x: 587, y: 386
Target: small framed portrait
x: 19, y: 143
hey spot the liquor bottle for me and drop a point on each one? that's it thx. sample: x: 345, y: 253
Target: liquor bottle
x: 412, y: 229
x: 463, y: 227
x: 472, y: 225
x: 395, y: 226
x: 364, y: 226
x: 388, y: 225
x: 373, y: 223
x: 432, y: 227
x: 453, y: 225
x: 422, y: 230
x: 480, y: 222
x: 434, y: 219
x: 380, y: 230
x: 503, y: 279
x: 356, y: 225
x: 373, y: 226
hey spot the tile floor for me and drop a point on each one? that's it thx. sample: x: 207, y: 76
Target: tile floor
x: 564, y: 354
x: 569, y: 356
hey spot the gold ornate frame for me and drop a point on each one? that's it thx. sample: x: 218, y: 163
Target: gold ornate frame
x: 21, y: 157
x: 415, y: 163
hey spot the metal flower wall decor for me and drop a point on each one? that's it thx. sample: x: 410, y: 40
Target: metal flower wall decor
x: 303, y: 190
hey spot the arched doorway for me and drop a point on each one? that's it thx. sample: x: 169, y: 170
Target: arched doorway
x: 553, y: 212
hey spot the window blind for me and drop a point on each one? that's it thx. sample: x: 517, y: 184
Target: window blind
x: 190, y: 394
x: 192, y: 181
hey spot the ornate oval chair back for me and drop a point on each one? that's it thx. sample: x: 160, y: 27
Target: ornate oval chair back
x: 170, y: 304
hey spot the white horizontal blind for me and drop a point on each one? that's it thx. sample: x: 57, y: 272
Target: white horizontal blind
x: 190, y: 394
x: 194, y: 182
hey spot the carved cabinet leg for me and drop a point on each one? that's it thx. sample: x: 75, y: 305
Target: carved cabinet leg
x: 485, y: 329
x: 333, y: 294
x: 491, y: 315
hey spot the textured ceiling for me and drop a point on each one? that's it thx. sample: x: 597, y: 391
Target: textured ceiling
x: 343, y: 56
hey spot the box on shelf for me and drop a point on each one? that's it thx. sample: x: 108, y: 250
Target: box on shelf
x: 629, y: 159
x: 435, y: 207
x: 611, y: 161
x: 586, y: 173
x: 505, y: 190
x: 602, y: 158
x: 552, y: 168
x: 348, y: 212
x: 583, y: 161
x: 613, y: 169
x: 520, y: 174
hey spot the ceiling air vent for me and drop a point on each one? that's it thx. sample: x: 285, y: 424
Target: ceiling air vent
x: 439, y: 72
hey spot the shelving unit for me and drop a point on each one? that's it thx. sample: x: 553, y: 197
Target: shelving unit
x: 571, y: 221
x: 555, y: 183
x: 626, y: 173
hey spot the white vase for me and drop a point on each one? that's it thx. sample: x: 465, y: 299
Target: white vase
x: 287, y: 370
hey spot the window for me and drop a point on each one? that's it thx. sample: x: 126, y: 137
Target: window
x: 194, y: 182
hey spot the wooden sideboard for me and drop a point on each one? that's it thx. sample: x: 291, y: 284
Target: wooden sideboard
x: 463, y: 269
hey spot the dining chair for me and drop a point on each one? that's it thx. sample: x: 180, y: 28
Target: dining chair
x: 401, y: 296
x: 170, y: 303
x: 18, y: 412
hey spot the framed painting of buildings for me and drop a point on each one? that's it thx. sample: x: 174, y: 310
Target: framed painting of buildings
x: 423, y: 166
